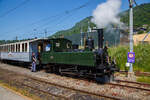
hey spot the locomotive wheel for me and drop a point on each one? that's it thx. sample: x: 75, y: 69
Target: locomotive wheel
x: 103, y: 79
x: 111, y: 77
x: 49, y: 69
x: 59, y: 70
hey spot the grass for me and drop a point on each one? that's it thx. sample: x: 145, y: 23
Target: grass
x: 142, y: 57
x: 143, y: 79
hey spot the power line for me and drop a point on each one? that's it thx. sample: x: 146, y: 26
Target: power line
x: 13, y: 9
x: 69, y: 12
x: 59, y: 15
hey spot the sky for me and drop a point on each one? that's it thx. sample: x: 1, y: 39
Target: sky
x: 32, y: 18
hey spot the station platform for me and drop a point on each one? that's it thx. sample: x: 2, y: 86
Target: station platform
x: 8, y: 94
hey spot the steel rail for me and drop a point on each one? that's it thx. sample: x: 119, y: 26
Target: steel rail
x: 128, y: 86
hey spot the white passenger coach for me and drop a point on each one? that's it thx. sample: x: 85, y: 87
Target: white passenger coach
x: 22, y: 51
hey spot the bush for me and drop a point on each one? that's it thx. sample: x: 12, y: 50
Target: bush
x: 142, y: 56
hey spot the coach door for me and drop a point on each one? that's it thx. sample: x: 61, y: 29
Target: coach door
x: 40, y: 48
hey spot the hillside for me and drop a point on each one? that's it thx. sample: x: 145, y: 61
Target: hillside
x: 141, y: 17
x: 76, y: 29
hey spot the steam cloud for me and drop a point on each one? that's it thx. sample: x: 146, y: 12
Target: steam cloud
x: 107, y: 13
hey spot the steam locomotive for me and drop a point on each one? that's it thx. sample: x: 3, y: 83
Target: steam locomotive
x: 92, y: 63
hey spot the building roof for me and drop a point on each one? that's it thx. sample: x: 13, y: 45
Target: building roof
x: 139, y: 38
x: 26, y: 41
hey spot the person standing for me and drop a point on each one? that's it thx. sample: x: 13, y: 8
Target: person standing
x: 33, y: 69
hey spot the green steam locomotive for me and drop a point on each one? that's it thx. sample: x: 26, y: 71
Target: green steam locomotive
x: 62, y: 58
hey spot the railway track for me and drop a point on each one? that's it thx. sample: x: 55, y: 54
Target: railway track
x: 67, y: 93
x: 71, y: 93
x: 137, y: 73
x: 131, y: 84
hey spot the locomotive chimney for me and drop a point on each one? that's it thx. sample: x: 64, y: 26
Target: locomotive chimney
x: 100, y: 38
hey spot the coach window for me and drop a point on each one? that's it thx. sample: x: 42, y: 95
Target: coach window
x: 18, y: 47
x: 3, y: 48
x: 26, y: 47
x: 22, y: 47
x: 13, y: 48
x: 7, y: 48
x: 10, y: 48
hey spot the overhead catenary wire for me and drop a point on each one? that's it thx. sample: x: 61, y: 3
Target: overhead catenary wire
x: 53, y: 16
x: 59, y: 21
x: 13, y: 9
x: 63, y: 14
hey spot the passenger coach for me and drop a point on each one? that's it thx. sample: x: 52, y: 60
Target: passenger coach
x: 22, y: 51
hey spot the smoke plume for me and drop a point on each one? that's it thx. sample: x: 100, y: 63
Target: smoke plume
x: 107, y: 13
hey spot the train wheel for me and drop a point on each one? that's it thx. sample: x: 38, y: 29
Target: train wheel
x: 60, y: 71
x: 103, y: 79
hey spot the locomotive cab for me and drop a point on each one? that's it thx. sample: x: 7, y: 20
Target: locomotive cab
x: 59, y: 45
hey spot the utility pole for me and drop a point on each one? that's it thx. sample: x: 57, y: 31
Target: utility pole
x: 45, y: 33
x: 89, y: 29
x: 81, y: 37
x: 34, y: 34
x: 131, y: 31
x: 16, y: 38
